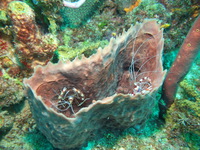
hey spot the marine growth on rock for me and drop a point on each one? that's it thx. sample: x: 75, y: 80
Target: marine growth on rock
x: 32, y: 46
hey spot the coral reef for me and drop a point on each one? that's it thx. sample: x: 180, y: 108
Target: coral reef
x: 69, y: 95
x: 32, y: 47
x: 149, y: 9
x: 86, y: 30
x: 121, y: 5
x: 47, y: 14
x: 182, y: 15
x: 3, y: 17
x: 11, y: 99
x: 182, y: 119
x: 22, y: 123
x: 4, y: 4
x: 108, y: 22
x: 48, y: 3
x: 180, y: 20
x: 11, y: 92
x: 67, y: 52
x: 6, y: 123
x: 7, y: 55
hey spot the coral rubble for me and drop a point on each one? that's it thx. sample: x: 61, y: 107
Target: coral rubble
x: 115, y: 87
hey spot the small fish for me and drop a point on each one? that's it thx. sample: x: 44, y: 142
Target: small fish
x: 167, y: 25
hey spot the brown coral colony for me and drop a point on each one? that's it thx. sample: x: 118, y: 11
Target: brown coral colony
x: 32, y: 46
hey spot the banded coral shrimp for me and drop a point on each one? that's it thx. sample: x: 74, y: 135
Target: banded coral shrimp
x: 143, y: 72
x: 67, y: 98
x: 143, y: 68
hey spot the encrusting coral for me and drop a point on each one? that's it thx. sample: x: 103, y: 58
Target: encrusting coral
x: 4, y: 4
x: 32, y: 47
x: 182, y: 117
x: 6, y: 53
x: 11, y: 92
x: 115, y: 87
x: 20, y: 124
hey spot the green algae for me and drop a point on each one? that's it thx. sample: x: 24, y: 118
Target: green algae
x: 3, y: 17
x: 87, y: 48
x: 67, y: 52
x: 190, y: 91
x: 53, y: 27
x: 8, y: 77
x: 1, y: 121
x: 183, y: 122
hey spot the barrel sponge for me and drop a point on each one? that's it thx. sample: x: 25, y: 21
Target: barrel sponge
x: 115, y: 87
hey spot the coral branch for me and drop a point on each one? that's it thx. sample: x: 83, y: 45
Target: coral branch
x: 182, y: 64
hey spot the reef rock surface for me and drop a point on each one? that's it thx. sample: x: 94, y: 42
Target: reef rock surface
x: 115, y: 87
